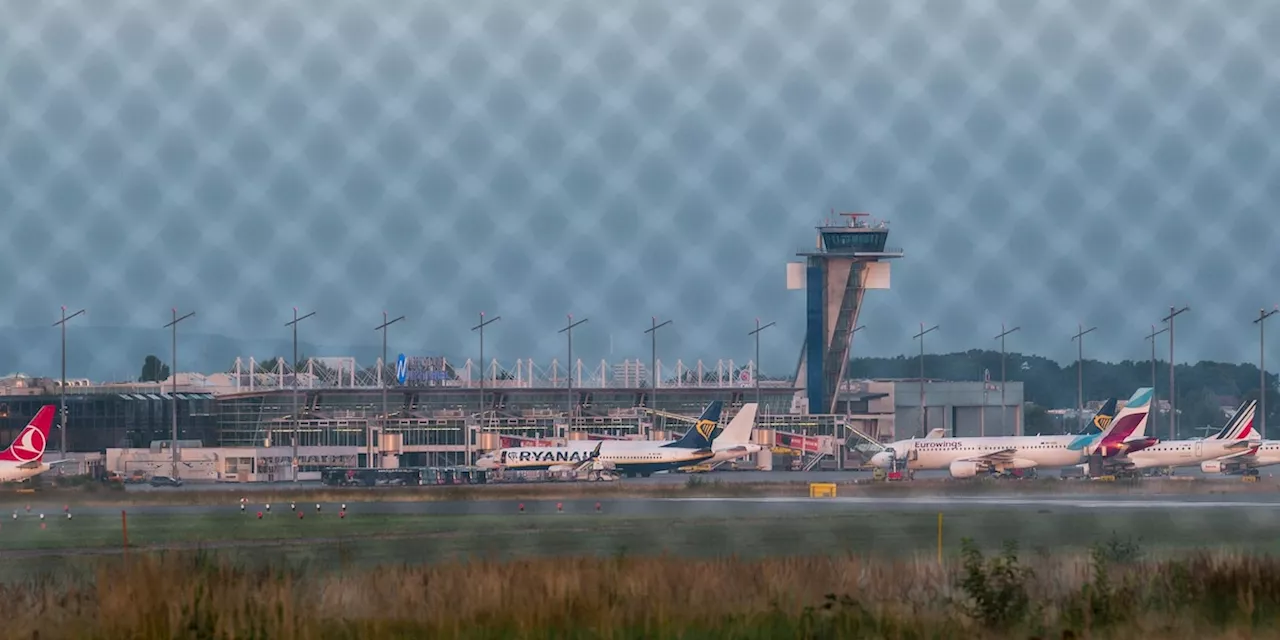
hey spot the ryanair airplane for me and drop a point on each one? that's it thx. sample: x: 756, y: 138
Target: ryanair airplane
x: 630, y: 458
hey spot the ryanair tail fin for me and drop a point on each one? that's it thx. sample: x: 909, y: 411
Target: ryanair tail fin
x: 702, y: 433
x: 1102, y: 419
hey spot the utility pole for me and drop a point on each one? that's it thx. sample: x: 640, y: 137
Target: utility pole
x: 1262, y: 367
x: 1078, y: 338
x: 1155, y: 408
x: 1004, y: 408
x: 569, y: 331
x: 62, y: 392
x: 1173, y: 413
x: 173, y: 376
x: 755, y: 375
x: 653, y: 365
x: 480, y: 327
x: 920, y: 336
x: 294, y: 325
x: 382, y: 378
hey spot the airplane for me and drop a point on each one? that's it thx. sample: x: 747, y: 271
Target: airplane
x: 730, y: 443
x: 25, y: 457
x: 967, y: 457
x: 616, y: 455
x: 1238, y: 436
x: 1247, y: 462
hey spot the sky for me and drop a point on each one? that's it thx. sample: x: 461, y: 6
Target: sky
x: 1043, y: 165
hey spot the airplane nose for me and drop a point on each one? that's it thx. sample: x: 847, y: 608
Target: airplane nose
x: 881, y: 459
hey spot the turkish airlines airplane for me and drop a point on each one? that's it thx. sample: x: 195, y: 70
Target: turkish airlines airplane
x: 25, y: 457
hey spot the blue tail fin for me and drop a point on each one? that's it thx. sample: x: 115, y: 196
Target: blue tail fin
x: 702, y: 433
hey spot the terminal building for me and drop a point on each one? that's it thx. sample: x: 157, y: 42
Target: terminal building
x: 425, y: 411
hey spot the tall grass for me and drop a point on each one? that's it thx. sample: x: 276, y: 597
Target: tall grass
x: 1099, y: 595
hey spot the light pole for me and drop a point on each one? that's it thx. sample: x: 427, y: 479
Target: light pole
x: 1262, y: 367
x: 1173, y: 413
x: 294, y: 324
x: 382, y: 377
x: 568, y: 330
x: 173, y: 376
x: 920, y: 336
x: 755, y: 375
x: 62, y: 393
x: 1152, y: 337
x: 1078, y: 338
x: 479, y: 327
x: 653, y: 363
x: 1004, y: 408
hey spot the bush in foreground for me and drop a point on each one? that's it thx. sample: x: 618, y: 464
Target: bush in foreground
x: 204, y: 596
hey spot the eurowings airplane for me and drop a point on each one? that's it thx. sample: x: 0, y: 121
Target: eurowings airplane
x: 733, y: 442
x: 623, y: 456
x: 1182, y: 453
x: 25, y: 457
x: 1126, y: 432
x: 967, y: 457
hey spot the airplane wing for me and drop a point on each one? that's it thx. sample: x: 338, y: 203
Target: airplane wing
x: 1003, y: 456
x: 1246, y: 456
x: 936, y: 434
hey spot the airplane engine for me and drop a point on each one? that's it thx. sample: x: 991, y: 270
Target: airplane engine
x: 964, y: 469
x: 1211, y: 466
x: 1021, y: 463
x: 562, y: 467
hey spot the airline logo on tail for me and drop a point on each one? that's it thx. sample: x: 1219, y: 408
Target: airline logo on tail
x: 29, y: 447
x: 1127, y: 432
x: 1241, y: 425
x: 1101, y: 421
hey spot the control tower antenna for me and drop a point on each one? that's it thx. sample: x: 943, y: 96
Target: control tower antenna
x: 850, y: 258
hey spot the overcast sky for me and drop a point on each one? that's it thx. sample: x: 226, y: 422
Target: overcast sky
x: 1042, y: 164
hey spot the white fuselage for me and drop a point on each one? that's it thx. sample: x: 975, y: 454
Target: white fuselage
x: 723, y: 451
x: 623, y: 456
x: 1181, y: 453
x: 11, y: 472
x: 1268, y: 454
x: 1029, y: 451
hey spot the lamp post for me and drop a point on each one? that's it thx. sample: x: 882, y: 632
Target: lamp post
x: 1078, y: 338
x: 62, y: 391
x: 920, y: 336
x: 173, y: 376
x: 1004, y: 407
x: 480, y: 327
x: 568, y: 330
x: 755, y: 375
x: 653, y: 363
x: 1152, y: 337
x: 1262, y: 367
x: 294, y: 324
x: 382, y: 379
x: 1173, y: 413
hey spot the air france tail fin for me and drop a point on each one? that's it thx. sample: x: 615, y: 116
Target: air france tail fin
x: 703, y: 432
x: 1240, y: 427
x: 29, y: 447
x: 739, y: 429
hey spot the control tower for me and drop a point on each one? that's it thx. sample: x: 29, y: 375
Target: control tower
x: 850, y: 258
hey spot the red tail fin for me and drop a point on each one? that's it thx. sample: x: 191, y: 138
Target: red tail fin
x: 29, y: 447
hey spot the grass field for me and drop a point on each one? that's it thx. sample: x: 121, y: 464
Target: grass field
x: 1103, y: 594
x: 325, y: 541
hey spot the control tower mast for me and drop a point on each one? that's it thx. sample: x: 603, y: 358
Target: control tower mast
x: 851, y: 258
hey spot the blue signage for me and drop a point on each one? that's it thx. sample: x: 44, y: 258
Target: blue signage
x: 402, y: 369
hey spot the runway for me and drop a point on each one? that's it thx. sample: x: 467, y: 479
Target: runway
x: 719, y: 507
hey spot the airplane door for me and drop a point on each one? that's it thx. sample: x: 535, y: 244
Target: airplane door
x: 1199, y: 448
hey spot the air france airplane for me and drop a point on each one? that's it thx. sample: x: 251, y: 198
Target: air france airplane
x: 25, y: 457
x: 631, y: 458
x: 1246, y: 462
x: 1240, y: 437
x: 967, y: 457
